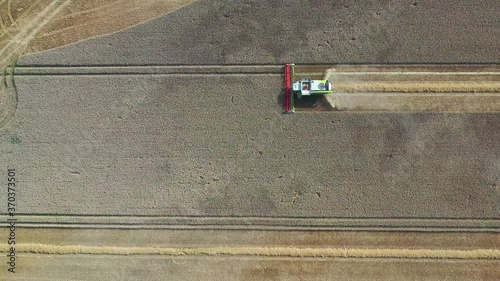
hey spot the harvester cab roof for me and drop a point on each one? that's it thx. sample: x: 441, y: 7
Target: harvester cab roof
x: 307, y: 87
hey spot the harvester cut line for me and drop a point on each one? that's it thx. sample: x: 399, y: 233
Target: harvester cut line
x: 149, y: 70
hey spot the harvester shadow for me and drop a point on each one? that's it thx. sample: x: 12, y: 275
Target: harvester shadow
x: 307, y: 103
x: 280, y: 98
x: 312, y: 103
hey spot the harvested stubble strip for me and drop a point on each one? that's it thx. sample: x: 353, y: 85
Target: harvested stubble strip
x: 419, y: 87
x: 262, y: 251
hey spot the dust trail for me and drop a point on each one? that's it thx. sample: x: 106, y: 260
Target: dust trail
x: 422, y: 87
x: 489, y: 254
x: 366, y: 88
x: 20, y: 34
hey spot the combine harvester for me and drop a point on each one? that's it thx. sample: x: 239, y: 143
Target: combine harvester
x: 303, y: 87
x: 393, y: 88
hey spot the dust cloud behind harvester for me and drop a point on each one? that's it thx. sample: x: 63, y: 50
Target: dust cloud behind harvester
x: 409, y: 88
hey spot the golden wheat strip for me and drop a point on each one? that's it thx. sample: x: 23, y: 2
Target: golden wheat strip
x: 260, y: 251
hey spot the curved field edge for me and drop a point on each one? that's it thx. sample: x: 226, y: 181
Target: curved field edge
x: 15, y: 37
x: 83, y: 19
